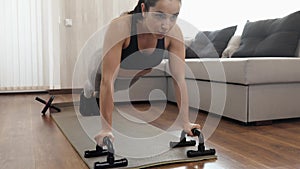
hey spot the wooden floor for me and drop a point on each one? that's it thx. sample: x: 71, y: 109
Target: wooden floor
x: 30, y: 141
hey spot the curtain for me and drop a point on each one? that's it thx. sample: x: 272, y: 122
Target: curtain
x: 37, y: 51
x: 27, y: 45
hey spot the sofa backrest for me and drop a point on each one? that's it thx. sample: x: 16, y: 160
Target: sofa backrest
x: 234, y: 44
x: 209, y: 44
x: 270, y: 38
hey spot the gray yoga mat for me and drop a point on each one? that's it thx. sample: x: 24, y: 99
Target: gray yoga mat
x: 142, y: 144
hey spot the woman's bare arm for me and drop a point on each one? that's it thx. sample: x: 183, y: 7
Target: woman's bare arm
x: 177, y: 68
x: 112, y: 48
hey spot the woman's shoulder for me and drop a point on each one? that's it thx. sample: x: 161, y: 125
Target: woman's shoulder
x: 175, y: 33
x: 120, y: 26
x: 122, y: 19
x: 118, y: 31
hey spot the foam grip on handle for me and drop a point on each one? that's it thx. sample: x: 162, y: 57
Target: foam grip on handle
x: 197, y: 132
x: 108, y: 143
x: 117, y: 163
x: 192, y: 153
x: 182, y: 143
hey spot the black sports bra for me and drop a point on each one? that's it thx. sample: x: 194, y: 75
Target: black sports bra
x: 132, y: 58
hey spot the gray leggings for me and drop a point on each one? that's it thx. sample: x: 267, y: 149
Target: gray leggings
x: 93, y: 86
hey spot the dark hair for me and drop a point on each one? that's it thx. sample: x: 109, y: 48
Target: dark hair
x: 137, y: 11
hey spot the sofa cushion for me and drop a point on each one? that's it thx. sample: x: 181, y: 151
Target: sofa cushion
x: 244, y: 71
x: 210, y: 44
x: 217, y: 69
x: 270, y: 38
x: 272, y: 70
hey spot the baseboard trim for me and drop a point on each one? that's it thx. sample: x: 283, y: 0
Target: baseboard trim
x: 66, y: 104
x: 23, y: 92
x: 64, y: 91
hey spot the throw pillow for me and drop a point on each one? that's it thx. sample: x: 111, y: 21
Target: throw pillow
x: 233, y: 45
x: 210, y: 44
x: 201, y: 49
x: 270, y: 38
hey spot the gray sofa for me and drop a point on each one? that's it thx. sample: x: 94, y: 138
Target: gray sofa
x: 255, y: 77
x: 256, y: 89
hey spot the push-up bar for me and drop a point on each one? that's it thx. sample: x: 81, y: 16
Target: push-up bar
x: 110, y: 160
x: 193, y: 153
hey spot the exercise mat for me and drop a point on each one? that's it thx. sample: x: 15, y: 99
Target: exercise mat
x: 141, y: 143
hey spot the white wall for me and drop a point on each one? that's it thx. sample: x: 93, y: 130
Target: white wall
x: 88, y: 17
x: 217, y: 14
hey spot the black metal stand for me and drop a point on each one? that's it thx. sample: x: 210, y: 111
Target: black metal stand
x: 192, y: 153
x: 110, y: 160
x: 201, y: 148
x: 95, y: 153
x: 182, y: 142
x: 47, y: 104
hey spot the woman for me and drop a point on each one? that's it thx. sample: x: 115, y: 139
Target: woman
x: 135, y: 41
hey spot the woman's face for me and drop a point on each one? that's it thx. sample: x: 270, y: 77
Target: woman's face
x: 161, y: 18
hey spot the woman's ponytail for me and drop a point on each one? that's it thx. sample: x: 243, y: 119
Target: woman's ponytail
x: 137, y: 11
x: 138, y: 8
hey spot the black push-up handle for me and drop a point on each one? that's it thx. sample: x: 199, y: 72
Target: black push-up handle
x: 110, y: 160
x: 182, y: 142
x: 201, y: 148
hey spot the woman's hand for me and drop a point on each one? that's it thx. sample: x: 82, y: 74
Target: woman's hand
x: 103, y: 133
x: 187, y: 127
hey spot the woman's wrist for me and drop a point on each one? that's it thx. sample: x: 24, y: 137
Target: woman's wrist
x: 105, y: 125
x: 184, y: 116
